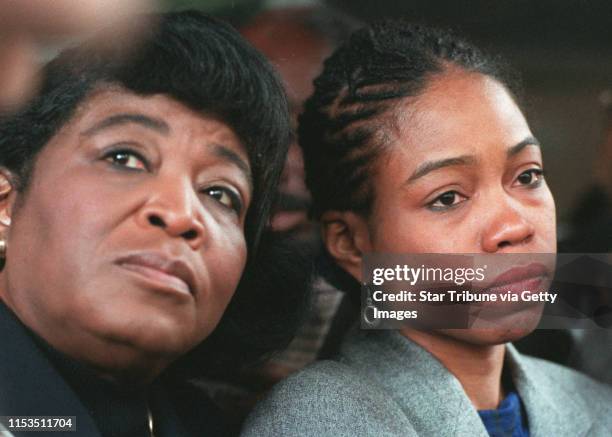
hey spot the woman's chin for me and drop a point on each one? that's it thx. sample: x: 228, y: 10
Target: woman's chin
x: 140, y: 346
x: 490, y: 337
x: 487, y: 333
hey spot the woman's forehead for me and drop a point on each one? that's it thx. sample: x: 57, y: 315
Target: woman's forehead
x: 114, y: 107
x: 462, y: 112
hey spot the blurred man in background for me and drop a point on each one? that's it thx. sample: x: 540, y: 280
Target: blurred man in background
x: 297, y: 40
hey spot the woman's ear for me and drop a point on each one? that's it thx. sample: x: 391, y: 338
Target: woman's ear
x: 7, y: 196
x: 346, y: 237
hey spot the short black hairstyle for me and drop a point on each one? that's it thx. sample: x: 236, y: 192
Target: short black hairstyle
x: 342, y: 128
x: 199, y: 61
x: 206, y: 65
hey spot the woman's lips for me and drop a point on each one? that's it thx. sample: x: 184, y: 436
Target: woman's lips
x: 519, y: 279
x: 529, y: 285
x: 160, y: 272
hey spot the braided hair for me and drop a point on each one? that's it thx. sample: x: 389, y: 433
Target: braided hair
x: 345, y: 123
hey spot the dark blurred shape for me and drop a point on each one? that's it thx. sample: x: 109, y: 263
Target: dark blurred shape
x: 603, y: 316
x: 556, y: 22
x: 589, y: 228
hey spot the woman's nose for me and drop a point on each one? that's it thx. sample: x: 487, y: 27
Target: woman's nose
x: 506, y: 226
x: 175, y: 208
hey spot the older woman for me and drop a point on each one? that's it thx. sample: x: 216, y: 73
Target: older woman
x: 134, y: 191
x: 414, y: 143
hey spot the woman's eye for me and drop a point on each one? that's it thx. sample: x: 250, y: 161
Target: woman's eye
x: 446, y: 200
x: 531, y: 177
x: 127, y: 159
x: 225, y: 197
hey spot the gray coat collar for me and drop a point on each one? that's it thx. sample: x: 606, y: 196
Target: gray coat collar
x: 434, y: 401
x: 550, y: 409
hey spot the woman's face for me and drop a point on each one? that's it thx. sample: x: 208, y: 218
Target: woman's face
x: 128, y: 244
x: 462, y: 175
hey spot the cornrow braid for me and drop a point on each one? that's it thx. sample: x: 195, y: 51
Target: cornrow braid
x: 344, y: 124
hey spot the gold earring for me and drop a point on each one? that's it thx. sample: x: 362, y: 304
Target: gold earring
x: 2, y: 248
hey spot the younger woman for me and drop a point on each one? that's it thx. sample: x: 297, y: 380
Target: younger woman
x: 414, y: 143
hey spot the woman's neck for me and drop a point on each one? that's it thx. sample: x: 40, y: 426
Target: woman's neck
x: 477, y: 367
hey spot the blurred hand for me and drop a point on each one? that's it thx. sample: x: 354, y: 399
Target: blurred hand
x: 27, y: 25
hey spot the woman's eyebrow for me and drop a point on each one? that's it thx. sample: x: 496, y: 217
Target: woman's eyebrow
x: 126, y: 118
x: 228, y: 154
x: 529, y: 141
x: 429, y: 166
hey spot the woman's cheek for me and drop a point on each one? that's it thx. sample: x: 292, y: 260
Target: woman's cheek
x: 231, y: 248
x: 546, y: 219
